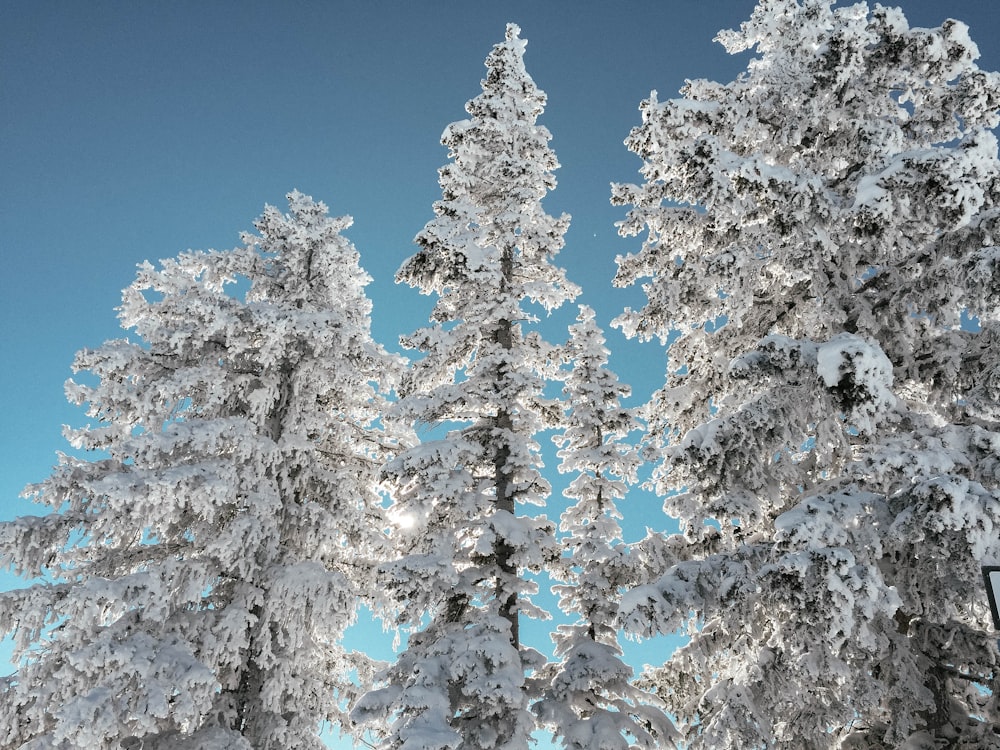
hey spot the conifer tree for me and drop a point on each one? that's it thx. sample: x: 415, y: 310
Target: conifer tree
x: 818, y: 232
x: 200, y: 569
x: 588, y: 700
x: 463, y: 549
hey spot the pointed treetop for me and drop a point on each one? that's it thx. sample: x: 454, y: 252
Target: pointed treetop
x: 508, y: 78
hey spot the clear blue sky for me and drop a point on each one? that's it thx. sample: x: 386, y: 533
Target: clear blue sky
x: 136, y: 130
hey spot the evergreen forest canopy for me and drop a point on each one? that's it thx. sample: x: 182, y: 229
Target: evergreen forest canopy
x: 820, y: 258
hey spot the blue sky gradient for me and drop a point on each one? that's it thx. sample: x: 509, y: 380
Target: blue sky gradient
x: 134, y: 131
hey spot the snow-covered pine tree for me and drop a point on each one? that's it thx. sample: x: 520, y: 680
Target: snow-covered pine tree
x: 829, y: 433
x: 200, y: 573
x: 463, y: 550
x: 588, y: 699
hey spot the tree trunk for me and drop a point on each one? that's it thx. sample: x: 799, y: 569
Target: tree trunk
x: 504, y: 336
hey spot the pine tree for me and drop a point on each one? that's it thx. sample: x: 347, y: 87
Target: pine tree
x: 589, y: 702
x: 463, y: 550
x: 819, y: 232
x: 201, y: 568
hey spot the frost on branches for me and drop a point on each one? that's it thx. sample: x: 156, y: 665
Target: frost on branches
x: 462, y: 548
x: 829, y: 433
x: 200, y: 570
x: 588, y: 700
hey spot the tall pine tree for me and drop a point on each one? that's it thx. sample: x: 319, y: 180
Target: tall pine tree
x: 202, y: 568
x: 588, y: 700
x: 817, y: 232
x: 463, y: 549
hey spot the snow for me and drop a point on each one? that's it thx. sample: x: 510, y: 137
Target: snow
x: 816, y: 231
x: 205, y: 546
x: 818, y: 449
